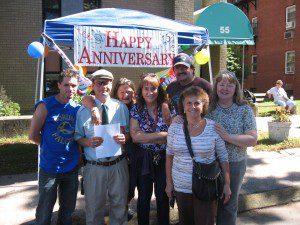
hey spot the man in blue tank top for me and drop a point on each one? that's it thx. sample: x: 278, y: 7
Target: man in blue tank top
x: 52, y: 127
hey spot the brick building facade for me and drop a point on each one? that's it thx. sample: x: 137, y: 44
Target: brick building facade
x: 22, y: 23
x: 276, y: 25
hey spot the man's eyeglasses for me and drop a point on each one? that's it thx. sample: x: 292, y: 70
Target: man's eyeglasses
x: 102, y: 83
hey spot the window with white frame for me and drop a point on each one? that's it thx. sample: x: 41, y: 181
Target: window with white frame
x: 254, y: 64
x: 290, y: 62
x: 254, y: 25
x: 290, y: 17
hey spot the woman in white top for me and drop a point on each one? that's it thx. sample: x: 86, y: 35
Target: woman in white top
x: 206, y: 144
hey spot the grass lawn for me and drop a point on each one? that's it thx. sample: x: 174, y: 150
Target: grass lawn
x: 269, y: 111
x: 17, y: 155
x: 265, y: 144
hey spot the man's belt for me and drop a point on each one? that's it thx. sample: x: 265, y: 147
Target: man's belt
x: 109, y: 163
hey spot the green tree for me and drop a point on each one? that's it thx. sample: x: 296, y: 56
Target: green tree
x: 8, y: 107
x: 234, y: 61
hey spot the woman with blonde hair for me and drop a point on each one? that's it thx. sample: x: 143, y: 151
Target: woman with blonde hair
x: 235, y: 123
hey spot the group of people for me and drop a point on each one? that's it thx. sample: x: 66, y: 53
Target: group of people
x: 154, y: 151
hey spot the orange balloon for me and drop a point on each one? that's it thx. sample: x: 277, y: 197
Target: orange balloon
x: 77, y: 67
x: 84, y: 69
x: 81, y: 68
x: 46, y: 51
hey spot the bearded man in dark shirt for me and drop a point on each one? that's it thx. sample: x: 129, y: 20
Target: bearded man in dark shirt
x: 184, y: 72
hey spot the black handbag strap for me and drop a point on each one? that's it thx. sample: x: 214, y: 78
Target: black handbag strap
x: 188, y: 138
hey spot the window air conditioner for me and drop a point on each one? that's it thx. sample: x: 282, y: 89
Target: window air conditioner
x: 290, y: 25
x: 290, y: 69
x: 288, y: 34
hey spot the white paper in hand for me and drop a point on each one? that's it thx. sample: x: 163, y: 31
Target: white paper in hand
x: 109, y: 147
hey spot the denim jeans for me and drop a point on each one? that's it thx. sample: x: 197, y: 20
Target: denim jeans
x: 49, y: 183
x: 227, y: 213
x: 145, y: 189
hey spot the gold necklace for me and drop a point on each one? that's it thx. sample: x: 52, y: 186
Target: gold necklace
x: 195, y: 125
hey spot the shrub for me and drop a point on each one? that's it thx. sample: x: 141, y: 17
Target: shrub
x: 8, y: 107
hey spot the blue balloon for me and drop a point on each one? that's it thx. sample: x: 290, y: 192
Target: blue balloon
x: 35, y: 49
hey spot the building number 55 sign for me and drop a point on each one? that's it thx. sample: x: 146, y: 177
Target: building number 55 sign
x: 224, y: 30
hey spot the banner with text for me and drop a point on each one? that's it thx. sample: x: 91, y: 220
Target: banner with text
x: 120, y: 47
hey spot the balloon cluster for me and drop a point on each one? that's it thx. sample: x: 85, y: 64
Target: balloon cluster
x: 202, y: 57
x: 82, y: 88
x: 35, y: 49
x: 201, y: 54
x: 165, y: 80
x: 184, y: 47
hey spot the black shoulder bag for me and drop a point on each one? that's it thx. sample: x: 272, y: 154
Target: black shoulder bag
x: 208, y: 179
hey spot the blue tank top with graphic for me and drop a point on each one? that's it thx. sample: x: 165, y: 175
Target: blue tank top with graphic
x: 58, y: 151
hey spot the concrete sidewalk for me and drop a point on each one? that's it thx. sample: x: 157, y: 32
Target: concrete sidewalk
x: 272, y: 178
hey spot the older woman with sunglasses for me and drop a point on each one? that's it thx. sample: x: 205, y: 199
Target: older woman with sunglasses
x: 237, y: 126
x: 149, y: 131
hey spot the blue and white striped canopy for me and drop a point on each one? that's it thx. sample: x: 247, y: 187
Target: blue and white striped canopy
x: 61, y: 30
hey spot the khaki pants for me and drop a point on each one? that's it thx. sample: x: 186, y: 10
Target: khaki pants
x: 103, y: 181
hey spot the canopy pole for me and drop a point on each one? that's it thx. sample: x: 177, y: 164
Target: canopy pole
x: 37, y: 80
x: 209, y: 67
x: 42, y: 77
x: 243, y: 68
x: 40, y: 98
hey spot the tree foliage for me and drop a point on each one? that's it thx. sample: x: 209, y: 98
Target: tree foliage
x: 8, y: 107
x: 234, y: 61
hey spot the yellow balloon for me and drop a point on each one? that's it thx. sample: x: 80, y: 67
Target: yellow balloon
x: 90, y: 90
x: 202, y: 57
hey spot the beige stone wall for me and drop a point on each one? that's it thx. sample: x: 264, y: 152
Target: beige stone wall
x: 21, y: 24
x: 210, y: 2
x: 11, y: 126
x: 157, y: 7
x: 184, y: 10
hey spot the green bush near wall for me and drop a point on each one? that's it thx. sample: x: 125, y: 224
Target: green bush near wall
x: 8, y: 107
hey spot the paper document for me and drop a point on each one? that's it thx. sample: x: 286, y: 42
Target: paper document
x: 109, y: 147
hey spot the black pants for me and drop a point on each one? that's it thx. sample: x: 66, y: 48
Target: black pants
x: 145, y: 189
x: 193, y: 211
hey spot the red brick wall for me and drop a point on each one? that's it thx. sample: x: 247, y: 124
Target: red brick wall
x: 271, y: 46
